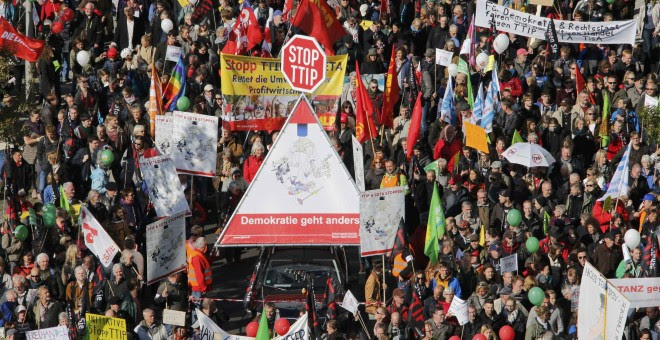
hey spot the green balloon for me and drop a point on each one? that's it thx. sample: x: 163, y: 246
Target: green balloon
x: 514, y: 217
x: 21, y: 232
x: 48, y: 208
x: 107, y: 157
x: 49, y: 220
x: 610, y: 1
x: 183, y: 103
x: 532, y: 244
x: 536, y: 296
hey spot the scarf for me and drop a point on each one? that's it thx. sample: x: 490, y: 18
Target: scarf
x: 511, y: 318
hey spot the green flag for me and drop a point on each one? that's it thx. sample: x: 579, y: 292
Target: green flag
x: 262, y: 332
x: 433, y: 166
x: 64, y: 203
x: 604, y: 123
x: 516, y: 138
x: 464, y: 68
x: 435, y: 228
x: 546, y: 222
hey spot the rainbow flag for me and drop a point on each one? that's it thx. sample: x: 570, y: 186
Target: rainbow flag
x: 176, y: 86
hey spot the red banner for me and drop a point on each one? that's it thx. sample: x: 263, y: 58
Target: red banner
x: 300, y: 229
x: 318, y: 20
x: 21, y: 46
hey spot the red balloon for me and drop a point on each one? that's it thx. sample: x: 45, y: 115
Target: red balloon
x: 479, y: 337
x: 507, y: 333
x: 57, y: 27
x: 251, y: 329
x: 282, y: 326
x: 67, y: 15
x: 455, y: 337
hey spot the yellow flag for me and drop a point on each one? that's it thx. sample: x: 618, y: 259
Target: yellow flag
x: 491, y: 63
x: 475, y: 137
x: 366, y: 24
x: 482, y: 236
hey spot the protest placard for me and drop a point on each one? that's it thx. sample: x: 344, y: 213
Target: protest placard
x: 350, y: 303
x: 257, y: 97
x: 509, y: 263
x: 381, y: 213
x: 642, y: 292
x: 53, y: 333
x: 576, y: 32
x: 194, y: 143
x: 358, y: 164
x: 163, y: 134
x: 173, y: 53
x: 163, y: 186
x: 101, y: 327
x: 166, y: 247
x: 443, y: 57
x: 174, y: 317
x: 459, y: 309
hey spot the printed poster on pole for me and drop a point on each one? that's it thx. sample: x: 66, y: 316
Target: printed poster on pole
x: 358, y: 163
x: 599, y: 298
x: 166, y: 247
x: 302, y: 193
x: 97, y: 239
x: 163, y: 185
x: 194, y: 143
x: 163, y: 137
x: 381, y: 213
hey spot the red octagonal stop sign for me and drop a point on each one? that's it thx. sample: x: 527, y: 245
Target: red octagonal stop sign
x: 303, y: 63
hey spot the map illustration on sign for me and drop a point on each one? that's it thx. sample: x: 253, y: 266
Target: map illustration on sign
x: 302, y: 170
x: 193, y: 143
x: 381, y: 212
x: 301, y: 195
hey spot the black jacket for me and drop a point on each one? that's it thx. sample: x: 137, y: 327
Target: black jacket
x: 121, y: 33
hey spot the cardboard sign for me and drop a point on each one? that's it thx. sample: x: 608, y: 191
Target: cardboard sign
x: 509, y: 263
x: 173, y: 53
x: 443, y: 57
x: 101, y: 327
x: 174, y: 317
x: 53, y: 333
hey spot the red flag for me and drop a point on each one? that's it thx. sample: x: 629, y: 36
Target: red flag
x: 287, y: 9
x: 416, y: 315
x: 318, y: 20
x: 391, y: 95
x: 246, y: 33
x: 364, y: 109
x: 385, y: 7
x: 20, y: 46
x: 580, y: 84
x: 415, y: 125
x: 453, y: 162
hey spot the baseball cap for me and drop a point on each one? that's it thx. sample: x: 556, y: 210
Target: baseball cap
x: 505, y: 193
x: 343, y: 118
x: 21, y: 308
x: 277, y: 12
x: 456, y: 179
x: 522, y: 51
x: 649, y: 197
x: 496, y: 165
x: 495, y: 247
x: 208, y: 87
x: 474, y: 238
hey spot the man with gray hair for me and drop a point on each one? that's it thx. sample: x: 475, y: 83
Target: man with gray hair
x: 200, y: 278
x: 115, y: 286
x: 79, y: 293
x: 149, y: 328
x: 51, y: 276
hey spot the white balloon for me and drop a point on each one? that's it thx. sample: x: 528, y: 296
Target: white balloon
x: 482, y: 60
x: 192, y: 2
x: 501, y: 43
x: 452, y: 69
x: 167, y: 25
x: 82, y: 58
x: 632, y: 238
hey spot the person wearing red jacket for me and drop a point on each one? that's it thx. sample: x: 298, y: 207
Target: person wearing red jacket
x: 513, y: 84
x: 448, y: 145
x: 604, y: 217
x: 253, y: 162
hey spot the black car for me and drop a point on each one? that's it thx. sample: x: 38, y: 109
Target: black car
x: 282, y: 273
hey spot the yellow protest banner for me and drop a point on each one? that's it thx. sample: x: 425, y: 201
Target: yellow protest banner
x: 257, y: 97
x: 101, y: 327
x: 475, y: 137
x: 491, y: 63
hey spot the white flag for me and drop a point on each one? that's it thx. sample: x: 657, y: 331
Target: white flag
x: 97, y: 239
x: 350, y: 303
x: 619, y: 183
x: 459, y: 309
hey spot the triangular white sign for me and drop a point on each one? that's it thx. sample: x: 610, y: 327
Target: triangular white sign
x: 301, y: 195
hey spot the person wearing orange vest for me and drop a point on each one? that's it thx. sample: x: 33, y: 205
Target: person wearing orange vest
x: 393, y: 177
x: 199, y: 271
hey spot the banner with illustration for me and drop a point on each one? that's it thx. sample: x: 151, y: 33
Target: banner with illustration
x: 576, y: 32
x: 257, y: 97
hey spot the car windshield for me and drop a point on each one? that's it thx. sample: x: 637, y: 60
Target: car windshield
x: 284, y: 274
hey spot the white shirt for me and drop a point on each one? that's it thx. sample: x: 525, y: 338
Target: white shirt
x: 129, y: 25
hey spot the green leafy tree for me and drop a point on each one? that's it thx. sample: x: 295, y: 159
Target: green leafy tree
x: 650, y: 123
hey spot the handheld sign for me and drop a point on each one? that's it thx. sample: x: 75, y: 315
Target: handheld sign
x: 303, y: 63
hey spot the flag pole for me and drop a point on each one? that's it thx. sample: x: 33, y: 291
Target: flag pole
x: 383, y: 285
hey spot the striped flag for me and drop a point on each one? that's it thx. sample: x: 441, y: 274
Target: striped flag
x: 416, y: 315
x: 155, y: 100
x: 491, y: 101
x: 447, y: 109
x: 619, y: 183
x: 478, y: 110
x: 176, y: 86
